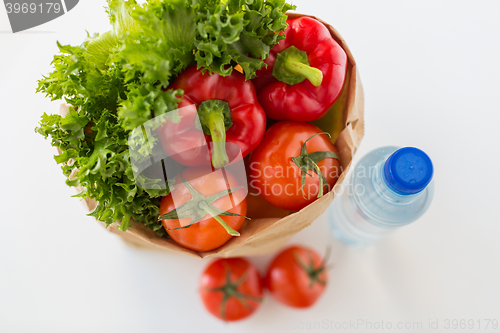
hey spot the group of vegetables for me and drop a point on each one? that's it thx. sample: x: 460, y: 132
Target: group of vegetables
x: 253, y: 79
x: 290, y: 164
x: 232, y: 289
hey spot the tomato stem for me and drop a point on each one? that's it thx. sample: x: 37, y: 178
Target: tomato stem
x: 230, y: 289
x: 212, y: 212
x: 312, y: 272
x: 306, y: 161
x: 292, y: 67
x: 199, y: 206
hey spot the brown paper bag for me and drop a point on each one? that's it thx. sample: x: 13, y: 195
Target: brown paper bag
x: 270, y: 228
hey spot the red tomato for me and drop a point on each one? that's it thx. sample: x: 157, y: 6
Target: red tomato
x: 231, y: 288
x: 297, y: 277
x: 208, y: 234
x: 275, y: 176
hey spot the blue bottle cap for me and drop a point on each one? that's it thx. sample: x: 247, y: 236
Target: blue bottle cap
x: 408, y: 171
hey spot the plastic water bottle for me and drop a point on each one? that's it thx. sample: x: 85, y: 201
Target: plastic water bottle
x: 389, y: 188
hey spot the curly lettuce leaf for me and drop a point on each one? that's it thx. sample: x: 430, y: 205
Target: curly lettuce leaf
x: 159, y: 50
x: 162, y: 46
x: 146, y: 101
x: 238, y: 32
x: 101, y: 47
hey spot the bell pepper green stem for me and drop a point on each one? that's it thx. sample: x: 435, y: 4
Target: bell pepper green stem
x: 292, y: 67
x: 218, y: 134
x: 314, y: 75
x: 215, y: 119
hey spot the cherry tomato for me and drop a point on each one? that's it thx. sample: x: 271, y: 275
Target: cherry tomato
x: 231, y: 289
x: 297, y: 277
x: 275, y: 175
x: 208, y: 233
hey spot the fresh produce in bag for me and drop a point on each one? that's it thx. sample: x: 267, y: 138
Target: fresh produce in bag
x: 176, y: 60
x: 117, y: 81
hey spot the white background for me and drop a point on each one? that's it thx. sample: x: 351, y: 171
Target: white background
x: 431, y: 72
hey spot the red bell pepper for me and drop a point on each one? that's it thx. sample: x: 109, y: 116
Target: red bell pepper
x: 304, y: 75
x: 231, y: 119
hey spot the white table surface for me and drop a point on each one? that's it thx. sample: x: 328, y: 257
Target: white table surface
x: 431, y: 73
